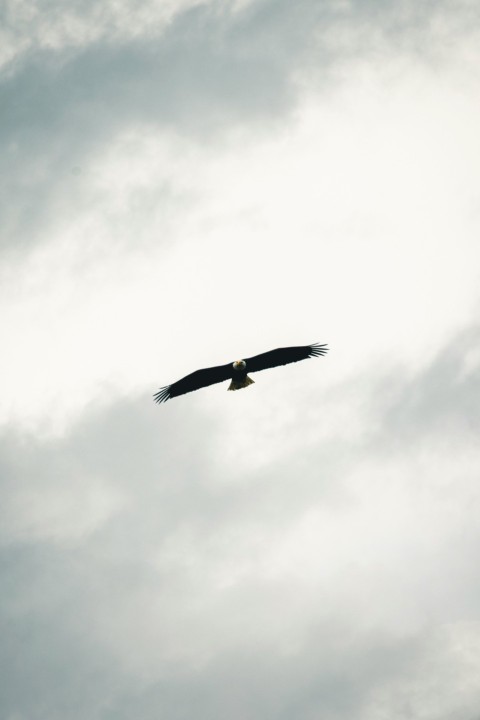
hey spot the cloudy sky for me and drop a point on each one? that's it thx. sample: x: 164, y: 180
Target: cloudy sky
x: 186, y: 182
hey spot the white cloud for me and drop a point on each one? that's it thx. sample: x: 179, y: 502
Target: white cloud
x: 356, y: 224
x: 290, y: 174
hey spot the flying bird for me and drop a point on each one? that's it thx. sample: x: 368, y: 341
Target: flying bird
x: 237, y: 371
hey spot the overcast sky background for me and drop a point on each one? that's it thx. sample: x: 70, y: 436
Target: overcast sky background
x: 185, y: 183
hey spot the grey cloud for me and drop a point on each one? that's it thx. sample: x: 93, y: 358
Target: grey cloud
x: 331, y: 676
x: 442, y: 399
x: 51, y: 662
x: 208, y: 72
x: 101, y: 449
x: 199, y: 78
x: 129, y: 585
x: 128, y: 615
x: 57, y: 589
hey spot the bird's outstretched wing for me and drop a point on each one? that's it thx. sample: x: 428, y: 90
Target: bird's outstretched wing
x: 283, y: 356
x: 194, y: 381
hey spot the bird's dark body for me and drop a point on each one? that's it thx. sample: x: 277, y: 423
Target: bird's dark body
x: 238, y: 371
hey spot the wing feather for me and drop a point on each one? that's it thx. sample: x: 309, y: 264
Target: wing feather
x: 194, y: 381
x: 284, y: 356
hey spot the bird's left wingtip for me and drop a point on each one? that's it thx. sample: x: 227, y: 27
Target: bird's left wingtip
x: 316, y: 350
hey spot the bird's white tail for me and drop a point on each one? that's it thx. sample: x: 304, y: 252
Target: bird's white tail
x: 239, y: 384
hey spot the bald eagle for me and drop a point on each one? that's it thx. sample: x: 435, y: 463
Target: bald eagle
x: 237, y: 371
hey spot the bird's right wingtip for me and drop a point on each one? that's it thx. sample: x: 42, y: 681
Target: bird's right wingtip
x: 162, y: 395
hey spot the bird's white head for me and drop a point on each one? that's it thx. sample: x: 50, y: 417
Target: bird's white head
x: 239, y: 365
